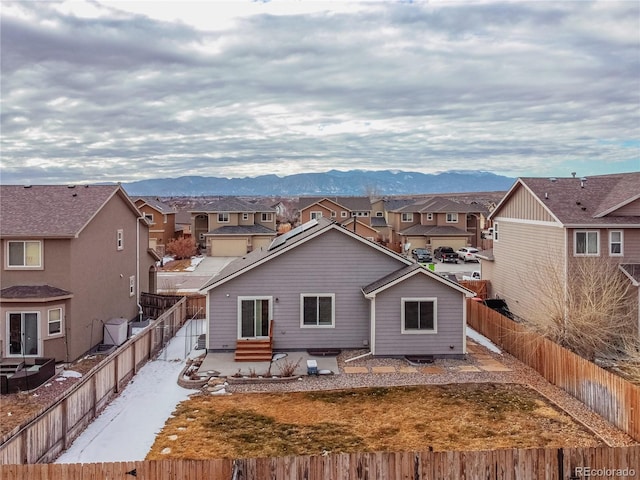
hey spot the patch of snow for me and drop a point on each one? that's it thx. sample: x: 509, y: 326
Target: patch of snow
x: 127, y: 427
x: 482, y: 340
x: 195, y: 261
x: 70, y: 374
x: 278, y: 356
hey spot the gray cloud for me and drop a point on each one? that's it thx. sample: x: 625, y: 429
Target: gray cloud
x: 514, y: 88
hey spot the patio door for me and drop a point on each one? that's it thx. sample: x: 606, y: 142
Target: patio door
x: 255, y: 314
x: 23, y: 334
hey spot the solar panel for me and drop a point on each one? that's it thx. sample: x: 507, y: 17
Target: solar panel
x: 282, y: 239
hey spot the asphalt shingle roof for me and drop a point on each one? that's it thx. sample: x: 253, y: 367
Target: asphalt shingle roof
x: 50, y: 210
x: 32, y: 291
x: 232, y: 205
x: 435, y: 231
x: 154, y: 202
x: 242, y: 230
x: 356, y: 204
x: 577, y: 202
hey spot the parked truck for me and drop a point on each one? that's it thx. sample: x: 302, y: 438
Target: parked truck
x: 474, y: 276
x: 445, y: 254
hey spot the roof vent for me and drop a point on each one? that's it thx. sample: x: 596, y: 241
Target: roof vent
x: 583, y: 180
x: 553, y: 179
x: 584, y: 208
x: 71, y: 186
x: 578, y: 202
x: 573, y: 174
x: 546, y: 195
x: 27, y: 186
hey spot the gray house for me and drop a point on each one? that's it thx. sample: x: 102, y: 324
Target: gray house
x: 322, y: 286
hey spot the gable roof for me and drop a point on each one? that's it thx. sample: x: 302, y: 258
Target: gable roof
x: 242, y: 230
x: 232, y: 205
x: 359, y: 204
x: 281, y: 245
x: 434, y: 230
x: 42, y: 293
x: 585, y: 201
x: 156, y: 204
x: 53, y: 210
x: 371, y: 290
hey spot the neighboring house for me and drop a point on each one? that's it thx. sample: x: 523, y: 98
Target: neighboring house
x: 339, y: 209
x: 231, y: 227
x: 380, y: 209
x: 321, y: 286
x: 551, y: 221
x: 162, y: 222
x: 183, y: 224
x: 73, y: 257
x: 436, y: 221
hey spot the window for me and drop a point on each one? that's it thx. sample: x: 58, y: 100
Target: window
x: 344, y: 214
x: 379, y: 214
x: 333, y: 214
x: 317, y: 310
x: 586, y: 243
x: 245, y: 216
x: 55, y: 321
x: 165, y: 218
x: 23, y: 331
x: 26, y: 254
x: 266, y: 217
x: 315, y: 215
x: 407, y: 217
x: 132, y: 285
x: 120, y: 239
x: 615, y: 243
x: 223, y: 217
x: 452, y: 218
x: 419, y: 315
x: 149, y: 217
x: 495, y: 232
x: 429, y: 216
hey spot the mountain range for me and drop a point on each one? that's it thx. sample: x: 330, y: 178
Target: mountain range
x: 333, y: 182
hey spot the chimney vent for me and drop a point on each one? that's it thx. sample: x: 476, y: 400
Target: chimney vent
x: 573, y: 174
x: 583, y: 180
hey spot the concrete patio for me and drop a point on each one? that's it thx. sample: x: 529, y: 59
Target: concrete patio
x: 226, y: 366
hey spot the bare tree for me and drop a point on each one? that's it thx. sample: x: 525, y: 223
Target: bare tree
x: 593, y: 314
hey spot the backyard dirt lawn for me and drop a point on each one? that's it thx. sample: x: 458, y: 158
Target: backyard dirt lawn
x: 440, y: 417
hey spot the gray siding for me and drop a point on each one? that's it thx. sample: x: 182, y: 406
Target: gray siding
x: 331, y: 263
x: 390, y: 341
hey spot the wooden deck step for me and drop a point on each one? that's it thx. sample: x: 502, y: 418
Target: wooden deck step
x: 253, y: 351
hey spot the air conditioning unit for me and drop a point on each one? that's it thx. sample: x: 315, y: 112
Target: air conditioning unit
x: 115, y: 331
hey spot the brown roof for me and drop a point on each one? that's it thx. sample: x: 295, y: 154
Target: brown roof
x: 32, y: 292
x: 51, y: 210
x: 584, y: 201
x: 442, y: 205
x: 357, y: 204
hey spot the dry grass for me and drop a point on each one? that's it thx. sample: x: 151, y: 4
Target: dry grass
x: 449, y: 417
x: 176, y: 265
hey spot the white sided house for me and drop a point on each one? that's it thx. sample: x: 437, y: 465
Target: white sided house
x: 322, y: 286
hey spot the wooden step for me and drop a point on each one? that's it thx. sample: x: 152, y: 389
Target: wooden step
x: 253, y: 351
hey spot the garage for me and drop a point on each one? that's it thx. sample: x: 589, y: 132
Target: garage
x: 228, y: 247
x: 259, y: 242
x: 453, y: 242
x: 417, y: 242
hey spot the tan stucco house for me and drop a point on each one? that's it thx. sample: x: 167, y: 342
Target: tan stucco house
x: 162, y: 222
x: 556, y: 220
x: 232, y: 227
x: 73, y: 258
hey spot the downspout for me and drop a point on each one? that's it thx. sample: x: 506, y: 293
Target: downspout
x: 138, y: 267
x: 566, y: 279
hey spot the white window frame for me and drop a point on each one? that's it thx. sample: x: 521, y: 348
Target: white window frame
x: 452, y: 218
x: 120, y: 239
x: 223, y: 217
x: 245, y: 216
x: 344, y: 214
x: 132, y: 285
x: 267, y: 217
x: 318, y: 295
x: 412, y: 331
x: 24, y: 265
x: 315, y: 214
x: 429, y: 216
x: 406, y: 217
x: 252, y: 298
x: 165, y: 218
x: 612, y: 243
x: 50, y: 322
x: 495, y: 232
x: 333, y: 214
x: 586, y: 233
x: 379, y: 214
x: 149, y: 218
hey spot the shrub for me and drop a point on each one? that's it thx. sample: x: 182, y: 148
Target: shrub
x: 182, y: 248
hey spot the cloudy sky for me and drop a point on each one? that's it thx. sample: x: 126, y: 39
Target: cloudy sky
x: 122, y: 91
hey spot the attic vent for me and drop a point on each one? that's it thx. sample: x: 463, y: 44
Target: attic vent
x: 27, y: 186
x: 71, y: 186
x: 578, y: 202
x: 553, y: 179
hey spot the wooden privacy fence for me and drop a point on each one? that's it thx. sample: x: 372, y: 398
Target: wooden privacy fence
x: 549, y: 464
x: 196, y: 306
x: 45, y: 437
x: 607, y: 394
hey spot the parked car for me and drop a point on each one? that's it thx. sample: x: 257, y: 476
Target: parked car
x: 474, y: 276
x: 445, y: 254
x: 422, y: 255
x: 468, y: 254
